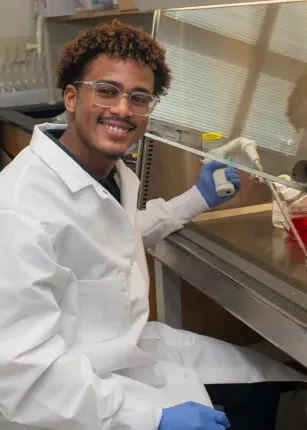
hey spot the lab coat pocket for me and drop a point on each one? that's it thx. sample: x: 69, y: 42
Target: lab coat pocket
x: 104, y: 311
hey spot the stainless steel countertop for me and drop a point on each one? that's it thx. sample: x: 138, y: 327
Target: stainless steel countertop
x: 254, y: 238
x: 250, y: 269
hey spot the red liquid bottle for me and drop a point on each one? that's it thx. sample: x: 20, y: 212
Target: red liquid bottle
x: 300, y: 223
x: 298, y: 213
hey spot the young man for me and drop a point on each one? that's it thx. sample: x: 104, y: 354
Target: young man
x: 77, y: 352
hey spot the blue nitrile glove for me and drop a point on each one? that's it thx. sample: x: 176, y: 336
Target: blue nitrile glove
x: 206, y: 186
x: 193, y: 416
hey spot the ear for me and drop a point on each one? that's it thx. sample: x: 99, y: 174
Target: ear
x: 70, y: 98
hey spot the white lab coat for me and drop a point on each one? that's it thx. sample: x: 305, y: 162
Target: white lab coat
x: 76, y: 351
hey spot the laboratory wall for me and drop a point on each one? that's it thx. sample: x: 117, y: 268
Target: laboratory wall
x: 17, y: 24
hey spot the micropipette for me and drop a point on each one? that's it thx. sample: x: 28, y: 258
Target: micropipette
x: 249, y: 147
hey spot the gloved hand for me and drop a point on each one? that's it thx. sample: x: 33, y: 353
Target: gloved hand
x: 206, y: 184
x: 193, y: 416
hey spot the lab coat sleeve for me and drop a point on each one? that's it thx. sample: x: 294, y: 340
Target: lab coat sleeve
x: 161, y: 218
x: 42, y: 383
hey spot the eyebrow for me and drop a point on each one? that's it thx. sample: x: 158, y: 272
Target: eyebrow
x: 142, y: 90
x: 118, y: 84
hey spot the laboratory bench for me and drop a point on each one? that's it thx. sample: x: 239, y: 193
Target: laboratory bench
x: 247, y: 267
x: 26, y: 117
x: 17, y: 124
x: 229, y: 274
x: 253, y: 237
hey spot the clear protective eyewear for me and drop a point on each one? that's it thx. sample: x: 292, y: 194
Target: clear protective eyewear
x: 107, y: 95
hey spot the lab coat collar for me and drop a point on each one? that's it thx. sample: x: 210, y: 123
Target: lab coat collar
x: 77, y: 178
x: 61, y: 163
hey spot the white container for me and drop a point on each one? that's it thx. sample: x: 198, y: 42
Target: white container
x: 298, y: 206
x: 87, y: 5
x: 50, y: 8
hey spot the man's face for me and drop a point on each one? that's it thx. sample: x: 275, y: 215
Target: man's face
x: 110, y: 130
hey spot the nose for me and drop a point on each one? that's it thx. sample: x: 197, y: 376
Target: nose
x: 122, y: 108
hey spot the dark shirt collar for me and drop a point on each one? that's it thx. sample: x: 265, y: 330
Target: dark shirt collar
x: 108, y: 182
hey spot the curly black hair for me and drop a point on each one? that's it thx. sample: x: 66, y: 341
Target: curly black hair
x: 295, y: 100
x: 117, y: 40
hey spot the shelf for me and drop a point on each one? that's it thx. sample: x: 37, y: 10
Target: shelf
x: 93, y: 15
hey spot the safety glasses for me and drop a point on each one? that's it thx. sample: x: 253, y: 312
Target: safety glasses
x: 108, y: 95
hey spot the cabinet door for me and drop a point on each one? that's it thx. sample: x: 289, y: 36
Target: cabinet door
x: 13, y: 139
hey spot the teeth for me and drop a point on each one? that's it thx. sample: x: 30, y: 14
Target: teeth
x: 115, y: 129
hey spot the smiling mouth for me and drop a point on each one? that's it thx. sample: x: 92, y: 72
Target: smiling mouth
x: 119, y: 130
